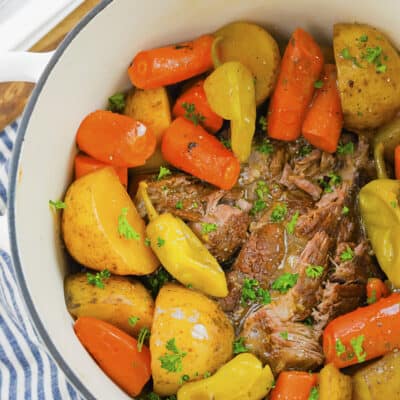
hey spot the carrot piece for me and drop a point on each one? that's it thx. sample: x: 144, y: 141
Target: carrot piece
x: 193, y: 150
x: 397, y: 161
x: 116, y: 353
x: 294, y: 385
x: 115, y: 139
x: 363, y: 334
x: 376, y: 289
x: 163, y: 66
x: 202, y: 112
x: 324, y: 119
x: 85, y: 164
x: 301, y: 66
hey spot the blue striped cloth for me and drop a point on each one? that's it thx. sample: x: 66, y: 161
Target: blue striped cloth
x: 27, y: 371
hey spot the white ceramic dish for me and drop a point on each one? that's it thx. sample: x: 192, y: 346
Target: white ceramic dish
x: 88, y: 66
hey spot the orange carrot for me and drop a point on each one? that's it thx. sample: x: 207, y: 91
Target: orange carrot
x: 397, y: 161
x: 324, y: 119
x: 294, y: 385
x: 163, y: 66
x: 85, y: 164
x: 301, y: 66
x: 115, y: 139
x: 375, y: 290
x: 116, y: 353
x: 193, y: 150
x: 363, y: 334
x: 193, y: 105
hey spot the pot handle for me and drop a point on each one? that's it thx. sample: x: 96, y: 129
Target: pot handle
x: 23, y: 66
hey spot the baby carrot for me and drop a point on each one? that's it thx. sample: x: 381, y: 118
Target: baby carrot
x: 375, y: 290
x: 193, y: 150
x: 163, y: 66
x: 324, y: 119
x: 294, y: 385
x: 193, y: 105
x: 363, y: 334
x: 397, y: 161
x: 116, y: 353
x: 115, y: 139
x: 85, y: 164
x: 301, y: 66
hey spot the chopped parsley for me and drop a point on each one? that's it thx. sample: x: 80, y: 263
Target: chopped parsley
x: 57, y: 204
x: 381, y: 68
x: 314, y: 394
x: 125, y: 229
x: 265, y: 147
x: 292, y: 223
x: 116, y: 103
x: 278, y: 213
x: 239, y: 346
x: 373, y: 56
x: 344, y: 149
x: 195, y: 205
x: 207, y: 227
x: 132, y: 321
x: 258, y: 206
x: 314, y: 271
x: 394, y: 203
x: 98, y: 278
x: 339, y: 347
x: 153, y: 396
x: 144, y: 334
x: 329, y: 181
x: 252, y: 291
x: 308, y: 321
x: 207, y: 374
x: 345, y: 210
x: 345, y: 53
x: 284, y: 335
x: 305, y: 150
x: 191, y: 114
x: 372, y: 299
x: 147, y: 242
x: 172, y: 361
x: 158, y: 279
x: 363, y: 38
x: 356, y: 344
x: 183, y: 379
x: 285, y: 282
x: 262, y: 121
x: 163, y: 172
x: 226, y: 143
x: 179, y: 205
x: 318, y: 84
x: 160, y: 242
x: 347, y: 255
x: 261, y: 191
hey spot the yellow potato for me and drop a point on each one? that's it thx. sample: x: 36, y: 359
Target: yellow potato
x: 379, y: 380
x: 120, y: 299
x: 200, y: 330
x: 255, y: 48
x: 94, y: 204
x: 368, y: 75
x: 333, y: 385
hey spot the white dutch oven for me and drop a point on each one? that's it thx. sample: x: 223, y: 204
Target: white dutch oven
x: 89, y: 66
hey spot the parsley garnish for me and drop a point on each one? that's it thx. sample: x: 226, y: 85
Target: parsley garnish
x: 251, y: 291
x: 195, y: 205
x: 226, y: 143
x: 239, y: 346
x: 285, y: 282
x: 158, y: 279
x: 191, y: 114
x: 163, y: 172
x: 258, y: 206
x: 97, y: 279
x: 393, y: 203
x: 261, y: 191
x: 208, y: 227
x: 147, y: 242
x: 262, y: 121
x: 356, y: 344
x: 292, y: 223
x: 314, y: 394
x: 172, y: 361
x: 347, y: 148
x: 314, y: 271
x: 381, y: 68
x: 318, y: 84
x: 183, y: 379
x: 278, y: 213
x: 308, y: 321
x: 304, y: 150
x: 57, y: 205
x: 284, y: 335
x: 345, y: 210
x: 347, y: 255
x: 116, y: 102
x: 372, y: 299
x: 329, y: 182
x: 144, y: 334
x: 373, y: 56
x: 179, y: 205
x: 124, y: 227
x: 153, y: 396
x: 160, y: 242
x: 339, y: 347
x: 207, y: 374
x: 345, y: 53
x: 265, y: 147
x: 132, y: 321
x: 363, y: 38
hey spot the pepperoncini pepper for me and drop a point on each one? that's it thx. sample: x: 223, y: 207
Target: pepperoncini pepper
x: 242, y: 378
x: 181, y: 252
x: 380, y: 211
x: 230, y: 92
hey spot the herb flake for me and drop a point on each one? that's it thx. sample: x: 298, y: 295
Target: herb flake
x: 191, y: 114
x: 164, y: 171
x: 132, y: 321
x: 279, y: 213
x: 347, y: 255
x: 252, y: 291
x: 172, y: 361
x: 314, y: 271
x: 357, y: 345
x: 98, y: 278
x: 344, y: 149
x: 291, y: 225
x: 265, y: 147
x: 239, y: 346
x: 116, y: 102
x: 57, y: 204
x: 144, y: 334
x: 285, y: 282
x: 125, y: 229
x: 339, y: 347
x: 207, y: 227
x: 318, y: 84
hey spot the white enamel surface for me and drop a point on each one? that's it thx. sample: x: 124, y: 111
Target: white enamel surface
x: 93, y: 67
